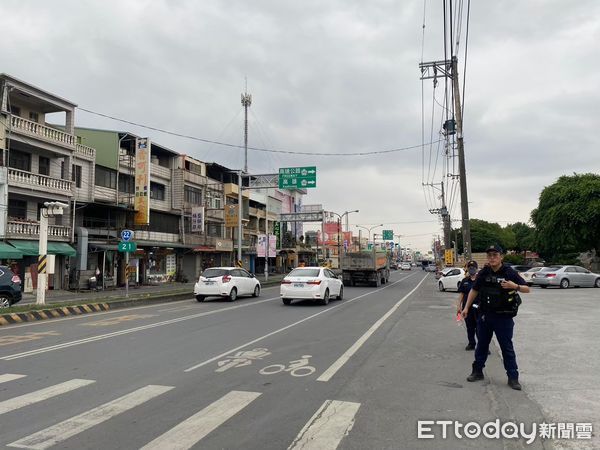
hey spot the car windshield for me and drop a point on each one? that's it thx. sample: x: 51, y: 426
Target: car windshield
x: 214, y: 273
x: 304, y: 273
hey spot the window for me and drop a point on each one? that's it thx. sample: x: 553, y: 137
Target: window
x: 157, y: 191
x: 15, y: 111
x: 194, y: 168
x: 17, y: 209
x: 193, y: 195
x: 44, y: 166
x: 213, y: 229
x: 126, y: 184
x: 217, y: 203
x: 19, y: 160
x: 34, y: 117
x: 106, y: 177
x: 76, y: 175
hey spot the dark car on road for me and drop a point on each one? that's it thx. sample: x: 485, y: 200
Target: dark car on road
x: 10, y: 287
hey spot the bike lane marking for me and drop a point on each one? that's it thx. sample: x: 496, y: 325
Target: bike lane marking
x: 272, y: 333
x: 337, y: 365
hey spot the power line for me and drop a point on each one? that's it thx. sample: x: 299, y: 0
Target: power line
x: 266, y: 150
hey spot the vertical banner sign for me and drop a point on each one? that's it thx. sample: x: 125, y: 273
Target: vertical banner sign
x: 198, y: 219
x: 142, y: 181
x: 261, y: 246
x: 277, y: 231
x: 272, y: 246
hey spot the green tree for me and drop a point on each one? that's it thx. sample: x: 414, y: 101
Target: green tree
x: 567, y: 219
x: 524, y: 236
x: 484, y: 234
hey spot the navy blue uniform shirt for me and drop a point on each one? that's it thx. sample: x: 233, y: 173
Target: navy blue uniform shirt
x: 505, y: 271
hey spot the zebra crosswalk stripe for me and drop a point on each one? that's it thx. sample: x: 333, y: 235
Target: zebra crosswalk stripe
x: 77, y: 424
x: 43, y: 394
x: 327, y: 427
x: 10, y: 377
x: 190, y: 431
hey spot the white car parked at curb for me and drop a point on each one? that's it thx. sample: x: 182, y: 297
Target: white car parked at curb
x: 228, y: 282
x: 318, y: 284
x: 451, y: 279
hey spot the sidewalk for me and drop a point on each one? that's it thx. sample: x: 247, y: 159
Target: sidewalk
x: 163, y: 289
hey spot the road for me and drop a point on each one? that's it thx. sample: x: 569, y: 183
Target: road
x: 217, y: 375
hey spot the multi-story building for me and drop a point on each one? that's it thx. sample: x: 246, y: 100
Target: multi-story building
x: 40, y: 162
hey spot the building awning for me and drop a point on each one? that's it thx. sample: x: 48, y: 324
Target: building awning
x: 7, y: 251
x: 31, y: 248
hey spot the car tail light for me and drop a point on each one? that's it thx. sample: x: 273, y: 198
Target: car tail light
x: 551, y: 275
x: 15, y: 279
x: 286, y: 282
x: 316, y: 282
x: 226, y: 278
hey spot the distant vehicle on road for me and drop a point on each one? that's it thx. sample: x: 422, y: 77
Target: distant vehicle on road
x: 451, y: 279
x: 528, y: 274
x: 565, y: 276
x: 405, y: 266
x: 394, y: 265
x: 227, y: 282
x: 442, y: 272
x: 318, y: 284
x: 10, y: 287
x: 431, y: 268
x: 372, y: 267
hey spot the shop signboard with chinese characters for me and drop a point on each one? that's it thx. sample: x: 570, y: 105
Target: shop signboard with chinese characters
x: 277, y: 231
x: 261, y: 246
x: 231, y: 216
x: 198, y: 219
x: 272, y: 246
x: 142, y: 181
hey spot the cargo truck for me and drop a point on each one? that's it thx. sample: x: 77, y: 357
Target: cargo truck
x: 368, y: 267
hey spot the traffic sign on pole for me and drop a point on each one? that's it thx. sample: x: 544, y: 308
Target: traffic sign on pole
x: 297, y: 177
x: 127, y: 246
x: 388, y: 235
x: 126, y: 235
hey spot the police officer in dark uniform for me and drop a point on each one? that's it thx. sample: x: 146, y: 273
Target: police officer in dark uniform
x: 497, y: 288
x: 464, y: 288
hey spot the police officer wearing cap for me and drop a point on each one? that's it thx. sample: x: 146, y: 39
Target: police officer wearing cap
x: 497, y: 288
x: 464, y: 288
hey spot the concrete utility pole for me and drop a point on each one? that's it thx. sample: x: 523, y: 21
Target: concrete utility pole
x: 464, y: 201
x: 239, y: 252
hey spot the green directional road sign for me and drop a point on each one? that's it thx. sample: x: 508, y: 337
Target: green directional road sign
x: 297, y: 177
x: 388, y: 235
x: 127, y: 246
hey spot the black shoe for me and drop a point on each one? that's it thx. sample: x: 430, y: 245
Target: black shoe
x: 470, y: 347
x: 514, y: 383
x: 476, y: 374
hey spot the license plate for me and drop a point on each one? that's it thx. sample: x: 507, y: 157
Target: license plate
x: 209, y: 282
x: 298, y: 285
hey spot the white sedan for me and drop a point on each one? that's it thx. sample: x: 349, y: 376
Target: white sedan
x: 318, y: 284
x: 451, y: 279
x: 228, y: 282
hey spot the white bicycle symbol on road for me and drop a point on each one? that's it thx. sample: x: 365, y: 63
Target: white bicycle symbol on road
x: 298, y: 368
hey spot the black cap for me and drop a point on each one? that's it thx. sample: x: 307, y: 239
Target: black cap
x: 472, y: 264
x: 494, y: 248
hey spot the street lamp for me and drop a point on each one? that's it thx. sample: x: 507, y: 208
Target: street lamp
x: 51, y: 209
x: 340, y: 217
x: 368, y: 229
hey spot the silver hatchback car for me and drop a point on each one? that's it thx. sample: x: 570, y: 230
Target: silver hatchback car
x: 565, y: 276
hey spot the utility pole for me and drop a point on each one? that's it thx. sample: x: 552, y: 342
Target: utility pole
x: 246, y: 102
x: 464, y: 201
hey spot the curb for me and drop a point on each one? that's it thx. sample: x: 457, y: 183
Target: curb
x: 75, y: 310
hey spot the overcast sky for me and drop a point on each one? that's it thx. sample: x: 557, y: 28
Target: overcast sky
x: 336, y: 76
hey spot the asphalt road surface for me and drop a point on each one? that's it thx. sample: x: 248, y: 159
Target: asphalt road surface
x: 255, y: 374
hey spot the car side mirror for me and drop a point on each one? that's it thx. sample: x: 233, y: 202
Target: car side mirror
x: 252, y: 275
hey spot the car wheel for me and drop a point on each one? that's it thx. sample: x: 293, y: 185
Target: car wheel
x: 341, y: 294
x: 325, y: 299
x: 4, y: 301
x: 233, y: 295
x: 564, y: 283
x: 200, y: 298
x: 441, y: 286
x: 597, y: 283
x: 287, y: 301
x: 256, y: 291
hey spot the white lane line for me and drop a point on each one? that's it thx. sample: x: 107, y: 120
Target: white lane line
x: 327, y: 427
x: 345, y: 302
x: 192, y: 430
x: 43, y: 394
x: 114, y: 311
x: 330, y: 372
x: 75, y: 425
x: 10, y: 377
x: 126, y: 331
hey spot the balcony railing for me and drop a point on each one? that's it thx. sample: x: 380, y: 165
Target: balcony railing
x: 158, y: 236
x: 160, y: 171
x: 17, y: 228
x: 85, y: 151
x: 42, y: 132
x: 41, y: 182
